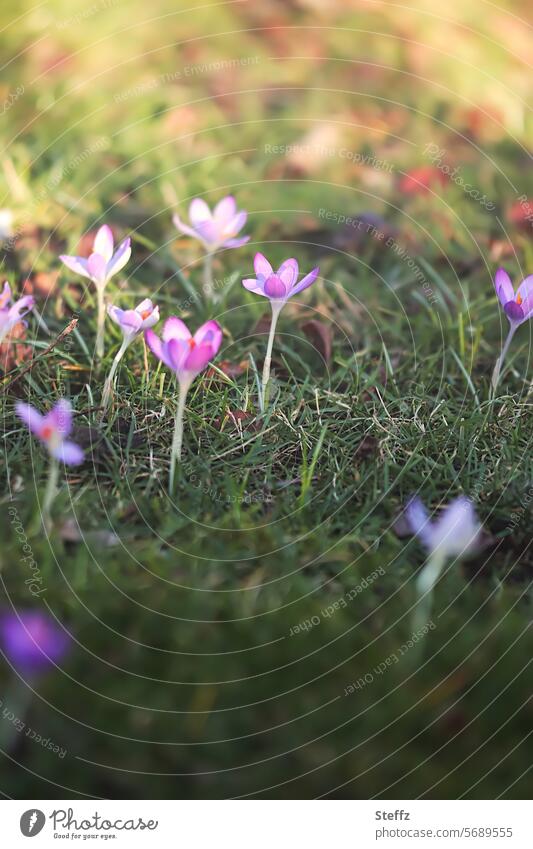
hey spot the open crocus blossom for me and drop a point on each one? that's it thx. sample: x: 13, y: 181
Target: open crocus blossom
x: 52, y: 430
x: 517, y: 306
x: 132, y: 323
x: 215, y: 230
x: 278, y: 286
x: 455, y: 534
x: 100, y: 266
x: 11, y: 312
x: 31, y: 641
x: 186, y: 355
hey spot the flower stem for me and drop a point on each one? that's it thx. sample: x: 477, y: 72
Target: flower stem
x: 100, y: 322
x: 15, y: 706
x: 501, y: 358
x: 263, y: 400
x: 50, y: 492
x: 208, y: 276
x: 424, y: 587
x: 108, y: 386
x: 177, y: 439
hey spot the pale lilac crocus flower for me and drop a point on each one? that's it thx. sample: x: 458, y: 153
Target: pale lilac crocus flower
x: 215, y: 230
x: 518, y: 307
x: 186, y: 355
x: 52, y: 430
x: 278, y: 286
x: 102, y: 264
x: 11, y: 312
x: 132, y: 323
x: 454, y: 534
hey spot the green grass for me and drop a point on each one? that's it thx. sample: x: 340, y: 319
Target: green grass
x: 185, y: 680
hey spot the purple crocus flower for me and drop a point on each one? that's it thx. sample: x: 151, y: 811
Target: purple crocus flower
x: 518, y: 308
x: 456, y: 533
x: 217, y: 229
x: 278, y: 286
x: 11, y: 312
x: 102, y: 264
x: 132, y: 323
x: 52, y: 430
x: 32, y: 641
x: 186, y: 355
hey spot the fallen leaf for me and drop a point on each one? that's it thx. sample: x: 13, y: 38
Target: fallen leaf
x: 13, y: 351
x: 320, y: 336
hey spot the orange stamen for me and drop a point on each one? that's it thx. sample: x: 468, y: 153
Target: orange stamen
x: 519, y: 299
x: 145, y: 314
x: 192, y: 343
x: 47, y: 432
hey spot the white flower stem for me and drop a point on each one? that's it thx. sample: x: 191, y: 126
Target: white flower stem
x: 100, y: 321
x: 177, y: 439
x: 208, y: 275
x: 50, y: 492
x: 501, y: 358
x: 425, y: 584
x: 108, y: 386
x: 276, y: 309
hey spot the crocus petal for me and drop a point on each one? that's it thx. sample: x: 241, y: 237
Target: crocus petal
x: 131, y: 321
x: 21, y: 307
x: 225, y: 210
x: 525, y: 290
x: 288, y: 273
x: 418, y: 519
x: 209, y: 333
x: 199, y: 212
x: 30, y: 416
x: 119, y: 259
x: 504, y: 287
x: 253, y: 285
x: 77, y: 264
x: 5, y: 297
x: 209, y: 231
x: 175, y: 328
x: 68, y: 453
x: 235, y: 224
x: 115, y: 313
x: 514, y: 312
x: 235, y: 243
x: 60, y: 417
x: 275, y: 287
x: 306, y: 281
x: 103, y: 242
x: 176, y: 351
x: 96, y: 266
x: 262, y: 266
x: 152, y: 319
x: 145, y: 305
x: 457, y: 531
x: 184, y: 228
x: 198, y: 358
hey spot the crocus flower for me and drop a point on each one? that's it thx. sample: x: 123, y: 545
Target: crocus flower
x: 52, y: 430
x: 102, y: 264
x: 186, y: 356
x: 11, y: 312
x: 278, y: 286
x: 32, y: 641
x: 518, y: 307
x: 215, y: 230
x: 132, y: 323
x: 455, y: 534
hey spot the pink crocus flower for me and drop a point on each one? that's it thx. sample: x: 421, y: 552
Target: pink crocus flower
x: 278, y: 286
x: 186, y: 355
x: 517, y: 306
x: 132, y: 323
x: 11, y: 312
x: 454, y: 534
x: 102, y: 264
x: 215, y: 230
x: 52, y: 430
